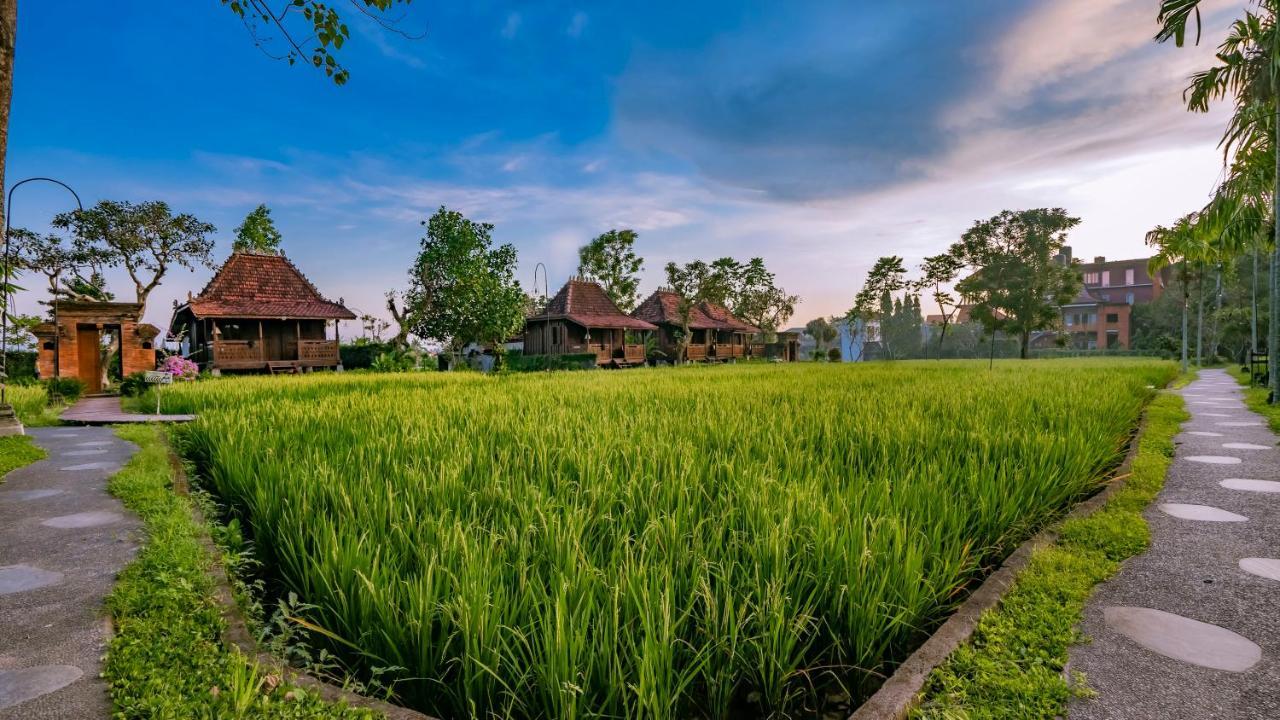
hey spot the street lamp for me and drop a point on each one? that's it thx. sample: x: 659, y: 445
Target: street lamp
x: 7, y: 417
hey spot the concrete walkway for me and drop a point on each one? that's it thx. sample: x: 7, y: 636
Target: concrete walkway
x: 1191, y: 628
x: 106, y: 410
x: 63, y: 539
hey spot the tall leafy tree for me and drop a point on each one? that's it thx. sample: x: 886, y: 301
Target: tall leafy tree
x: 757, y: 298
x: 692, y: 283
x: 938, y: 272
x: 461, y: 288
x: 258, y: 233
x: 822, y: 332
x: 1179, y: 245
x: 886, y: 277
x: 611, y: 260
x: 146, y: 239
x: 1016, y: 282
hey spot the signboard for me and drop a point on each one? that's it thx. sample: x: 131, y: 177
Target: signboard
x: 159, y: 376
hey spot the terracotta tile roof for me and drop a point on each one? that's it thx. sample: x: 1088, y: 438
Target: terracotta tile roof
x: 726, y: 320
x: 252, y: 285
x: 663, y: 307
x: 584, y: 302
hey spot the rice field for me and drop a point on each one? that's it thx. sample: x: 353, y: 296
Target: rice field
x: 715, y: 542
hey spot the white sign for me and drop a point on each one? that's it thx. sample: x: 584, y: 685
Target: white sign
x: 158, y: 376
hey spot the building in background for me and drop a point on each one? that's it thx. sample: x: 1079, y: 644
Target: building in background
x: 1098, y: 318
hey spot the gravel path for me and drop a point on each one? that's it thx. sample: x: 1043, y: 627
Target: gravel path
x: 1191, y: 628
x: 63, y: 539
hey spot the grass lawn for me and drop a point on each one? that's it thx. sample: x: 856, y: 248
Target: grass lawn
x: 166, y: 658
x: 689, y: 542
x: 17, y: 451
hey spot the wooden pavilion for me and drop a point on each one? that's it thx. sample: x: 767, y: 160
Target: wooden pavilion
x: 259, y: 313
x: 582, y: 319
x: 715, y: 334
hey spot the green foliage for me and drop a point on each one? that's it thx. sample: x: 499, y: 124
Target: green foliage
x: 757, y: 299
x: 166, y: 658
x: 134, y: 384
x: 146, y: 239
x: 258, y: 233
x: 1016, y: 284
x: 833, y: 354
x: 519, y: 362
x: 610, y: 260
x: 822, y: 332
x: 69, y: 388
x: 393, y: 361
x: 317, y: 21
x: 1012, y: 666
x: 657, y: 543
x: 461, y: 289
x: 17, y: 451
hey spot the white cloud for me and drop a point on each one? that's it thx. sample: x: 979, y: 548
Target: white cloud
x: 511, y: 26
x: 577, y: 24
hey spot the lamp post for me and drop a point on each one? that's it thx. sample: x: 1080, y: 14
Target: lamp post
x: 546, y: 325
x: 9, y: 424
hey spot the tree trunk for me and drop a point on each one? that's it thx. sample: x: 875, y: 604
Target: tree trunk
x: 1186, y: 313
x: 1025, y: 342
x: 1214, y: 325
x: 1273, y: 323
x: 1199, y: 318
x: 8, y: 37
x: 1253, y: 305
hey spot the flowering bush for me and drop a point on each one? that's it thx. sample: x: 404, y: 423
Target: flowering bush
x: 180, y: 368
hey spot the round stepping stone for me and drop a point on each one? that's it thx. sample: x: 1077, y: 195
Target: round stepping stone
x: 1182, y: 638
x: 83, y: 520
x: 1200, y: 512
x: 1245, y: 446
x: 1268, y: 568
x: 64, y: 435
x: 1266, y: 486
x: 84, y: 453
x: 1204, y: 433
x: 23, y: 495
x: 22, y: 684
x: 1216, y: 414
x: 1209, y: 459
x: 18, y: 578
x: 95, y: 443
x: 1239, y: 423
x: 105, y: 465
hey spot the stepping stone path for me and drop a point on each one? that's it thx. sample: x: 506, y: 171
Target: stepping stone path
x: 1191, y: 628
x: 63, y: 539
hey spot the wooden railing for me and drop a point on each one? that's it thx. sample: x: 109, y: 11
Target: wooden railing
x: 318, y: 352
x: 634, y: 353
x: 757, y: 350
x: 697, y: 352
x: 231, y: 352
x: 726, y: 351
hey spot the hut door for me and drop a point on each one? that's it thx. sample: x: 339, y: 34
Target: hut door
x: 87, y: 354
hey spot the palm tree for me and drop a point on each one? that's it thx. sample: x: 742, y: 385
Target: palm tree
x: 1247, y: 72
x: 1179, y: 245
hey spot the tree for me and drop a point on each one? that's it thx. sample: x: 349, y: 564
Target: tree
x: 822, y: 332
x: 939, y: 271
x: 1016, y: 283
x: 146, y: 239
x: 610, y: 260
x: 401, y: 338
x: 886, y: 277
x: 258, y: 233
x: 758, y: 300
x: 692, y: 283
x: 461, y: 288
x: 1178, y: 245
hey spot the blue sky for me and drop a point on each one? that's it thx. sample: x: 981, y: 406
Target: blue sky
x: 816, y: 135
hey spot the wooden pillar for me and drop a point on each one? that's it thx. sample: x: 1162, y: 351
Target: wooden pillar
x: 262, y: 345
x: 297, y: 351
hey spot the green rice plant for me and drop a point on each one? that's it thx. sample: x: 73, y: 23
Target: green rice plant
x: 747, y: 541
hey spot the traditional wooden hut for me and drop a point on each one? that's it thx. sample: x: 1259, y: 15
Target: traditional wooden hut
x: 582, y: 319
x: 715, y: 334
x: 259, y: 312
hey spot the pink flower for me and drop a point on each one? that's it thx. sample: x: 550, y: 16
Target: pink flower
x: 180, y: 368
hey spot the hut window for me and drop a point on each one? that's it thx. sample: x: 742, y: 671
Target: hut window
x: 48, y: 345
x: 555, y: 334
x: 146, y: 344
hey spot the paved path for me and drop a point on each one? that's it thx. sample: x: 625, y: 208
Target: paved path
x: 62, y: 541
x: 1191, y: 628
x: 105, y: 410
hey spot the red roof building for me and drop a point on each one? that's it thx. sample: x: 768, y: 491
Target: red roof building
x: 259, y: 312
x: 715, y: 333
x: 581, y: 319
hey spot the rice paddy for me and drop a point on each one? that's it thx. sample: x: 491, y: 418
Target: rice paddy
x: 715, y: 542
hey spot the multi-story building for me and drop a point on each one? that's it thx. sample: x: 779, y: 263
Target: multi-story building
x: 1099, y: 316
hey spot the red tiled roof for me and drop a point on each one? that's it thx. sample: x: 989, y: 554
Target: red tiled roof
x: 585, y: 303
x: 726, y: 320
x: 663, y: 307
x: 251, y: 285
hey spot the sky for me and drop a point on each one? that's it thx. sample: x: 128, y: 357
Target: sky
x: 816, y: 135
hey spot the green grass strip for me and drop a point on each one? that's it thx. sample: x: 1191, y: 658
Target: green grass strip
x: 1256, y: 399
x: 1012, y: 666
x: 167, y: 658
x: 17, y: 451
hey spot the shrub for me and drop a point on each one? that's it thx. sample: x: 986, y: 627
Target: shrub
x: 394, y: 361
x: 134, y: 384
x: 69, y: 388
x: 834, y: 354
x: 180, y: 368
